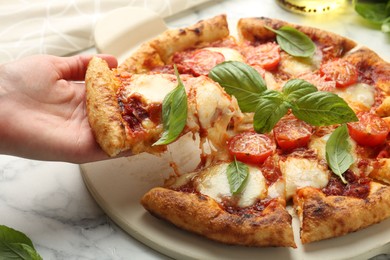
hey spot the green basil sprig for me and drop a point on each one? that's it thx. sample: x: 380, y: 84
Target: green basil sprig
x: 315, y: 107
x: 237, y: 174
x: 240, y: 80
x: 294, y: 42
x: 16, y: 245
x: 338, y: 151
x: 377, y: 12
x: 174, y: 113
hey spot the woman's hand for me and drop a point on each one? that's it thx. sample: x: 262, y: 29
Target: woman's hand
x: 42, y: 109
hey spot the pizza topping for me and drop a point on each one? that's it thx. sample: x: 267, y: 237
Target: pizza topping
x: 152, y: 88
x: 294, y: 42
x: 228, y: 53
x: 293, y: 67
x: 140, y: 99
x: 197, y: 62
x: 136, y: 115
x: 174, y: 113
x: 319, y: 81
x: 302, y: 172
x: 237, y: 173
x: 291, y: 133
x: 271, y: 171
x: 341, y: 71
x: 370, y: 130
x: 356, y: 187
x: 266, y: 55
x: 338, y: 152
x: 251, y: 147
x: 249, y: 211
x: 213, y: 182
x: 315, y: 107
x: 360, y: 96
x: 241, y: 81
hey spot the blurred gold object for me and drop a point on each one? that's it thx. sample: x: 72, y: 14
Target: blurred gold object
x: 311, y: 7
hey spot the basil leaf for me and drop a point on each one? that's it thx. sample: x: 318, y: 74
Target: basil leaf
x: 297, y: 88
x: 386, y: 25
x: 174, y: 113
x: 323, y: 108
x: 294, y: 42
x: 241, y: 81
x: 376, y: 12
x: 270, y: 109
x: 16, y: 245
x: 338, y: 151
x: 237, y: 174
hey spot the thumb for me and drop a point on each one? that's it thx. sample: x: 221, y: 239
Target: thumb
x: 75, y: 67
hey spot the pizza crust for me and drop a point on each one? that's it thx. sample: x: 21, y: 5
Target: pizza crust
x: 158, y: 51
x: 368, y: 61
x: 253, y: 30
x: 382, y: 171
x: 202, y: 215
x: 103, y: 109
x: 325, y: 217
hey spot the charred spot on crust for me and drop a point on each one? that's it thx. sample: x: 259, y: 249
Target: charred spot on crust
x: 182, y: 32
x: 197, y: 31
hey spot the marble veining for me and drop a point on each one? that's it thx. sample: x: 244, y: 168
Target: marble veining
x: 49, y: 201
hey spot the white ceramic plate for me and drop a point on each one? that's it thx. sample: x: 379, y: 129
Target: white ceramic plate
x: 117, y: 185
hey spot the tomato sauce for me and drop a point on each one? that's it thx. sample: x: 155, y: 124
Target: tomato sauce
x: 358, y: 187
x: 232, y: 208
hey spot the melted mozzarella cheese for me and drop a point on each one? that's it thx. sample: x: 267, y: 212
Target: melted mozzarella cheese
x: 183, y: 180
x: 358, y: 93
x: 270, y: 81
x: 228, y: 53
x: 296, y: 65
x: 318, y: 144
x: 212, y: 109
x: 277, y: 189
x: 153, y: 88
x: 209, y: 99
x: 213, y: 182
x: 302, y: 172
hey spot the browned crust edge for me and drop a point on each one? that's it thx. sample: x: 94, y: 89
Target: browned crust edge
x: 382, y: 171
x: 158, y: 51
x: 202, y: 215
x: 102, y: 107
x: 324, y: 217
x: 372, y: 63
x: 252, y: 29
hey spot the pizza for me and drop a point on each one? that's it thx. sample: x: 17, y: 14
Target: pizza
x: 286, y: 115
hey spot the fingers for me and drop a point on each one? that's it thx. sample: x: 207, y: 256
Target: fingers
x: 74, y: 68
x: 111, y: 60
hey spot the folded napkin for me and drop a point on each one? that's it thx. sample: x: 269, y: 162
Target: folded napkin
x: 63, y: 27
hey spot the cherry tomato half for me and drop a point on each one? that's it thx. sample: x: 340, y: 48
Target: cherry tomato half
x: 291, y: 133
x: 251, y: 147
x: 265, y: 55
x: 199, y: 62
x: 370, y: 130
x: 341, y: 71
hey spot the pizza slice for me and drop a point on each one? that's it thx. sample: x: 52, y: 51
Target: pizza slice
x: 338, y: 210
x: 125, y: 110
x: 202, y: 202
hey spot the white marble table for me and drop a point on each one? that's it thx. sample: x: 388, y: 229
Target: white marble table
x: 48, y: 200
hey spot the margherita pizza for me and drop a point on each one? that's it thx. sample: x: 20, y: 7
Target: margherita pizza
x: 286, y: 115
